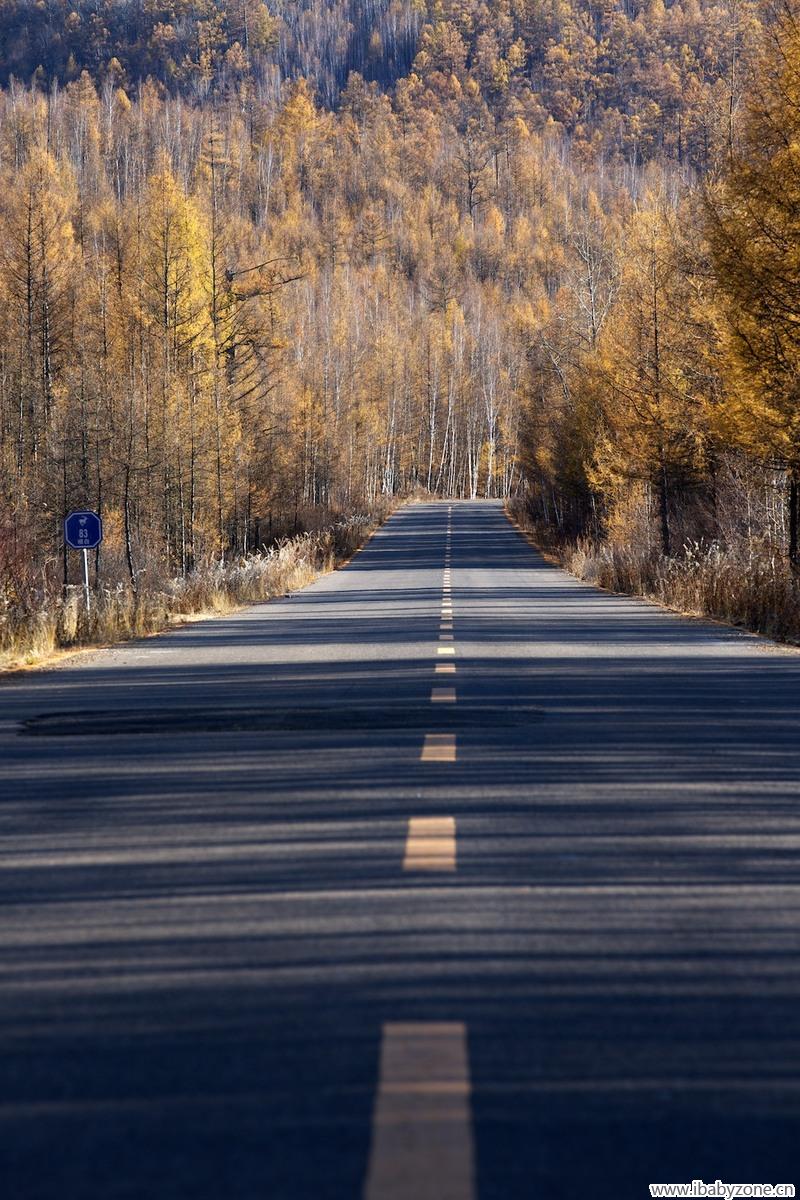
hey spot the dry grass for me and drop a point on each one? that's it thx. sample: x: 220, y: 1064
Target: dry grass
x: 32, y: 633
x: 752, y: 588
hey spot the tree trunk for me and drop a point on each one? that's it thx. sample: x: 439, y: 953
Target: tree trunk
x: 794, y: 480
x: 128, y: 534
x: 663, y: 503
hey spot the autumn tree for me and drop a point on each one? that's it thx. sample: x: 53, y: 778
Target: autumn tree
x: 753, y: 232
x: 645, y: 377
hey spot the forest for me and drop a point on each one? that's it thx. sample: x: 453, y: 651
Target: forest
x: 267, y: 267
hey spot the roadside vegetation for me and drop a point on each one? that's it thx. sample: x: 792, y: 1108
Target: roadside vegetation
x: 260, y: 264
x: 669, y: 464
x: 755, y: 590
x: 37, y: 625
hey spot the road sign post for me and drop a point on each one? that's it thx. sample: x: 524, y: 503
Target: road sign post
x: 83, y: 530
x: 86, y: 593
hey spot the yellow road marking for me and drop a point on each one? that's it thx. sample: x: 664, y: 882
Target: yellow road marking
x: 445, y: 669
x: 430, y: 844
x: 446, y: 627
x: 445, y: 649
x: 422, y: 1142
x: 446, y: 637
x: 439, y: 747
x: 443, y: 696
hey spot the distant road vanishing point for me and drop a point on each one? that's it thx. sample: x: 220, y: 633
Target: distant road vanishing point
x: 447, y: 878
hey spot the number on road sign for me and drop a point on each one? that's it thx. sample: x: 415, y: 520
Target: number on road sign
x: 83, y: 530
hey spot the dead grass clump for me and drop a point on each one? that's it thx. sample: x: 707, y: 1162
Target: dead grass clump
x: 750, y: 587
x: 36, y: 629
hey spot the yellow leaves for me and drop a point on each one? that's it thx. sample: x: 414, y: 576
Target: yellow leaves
x: 516, y: 55
x: 501, y: 76
x: 174, y: 268
x: 752, y: 228
x: 642, y: 394
x: 527, y: 319
x: 236, y: 58
x: 298, y: 117
x: 163, y: 34
x: 38, y: 214
x: 494, y: 222
x: 522, y: 235
x: 262, y: 27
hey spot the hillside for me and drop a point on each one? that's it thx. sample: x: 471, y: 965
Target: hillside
x: 639, y: 79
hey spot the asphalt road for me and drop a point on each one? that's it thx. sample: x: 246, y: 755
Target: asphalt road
x: 278, y: 924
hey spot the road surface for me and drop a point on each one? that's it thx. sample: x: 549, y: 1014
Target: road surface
x: 446, y: 878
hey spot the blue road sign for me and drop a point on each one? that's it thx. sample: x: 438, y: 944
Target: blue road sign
x: 83, y: 530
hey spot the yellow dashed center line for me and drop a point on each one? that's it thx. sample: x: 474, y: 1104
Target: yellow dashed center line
x: 439, y: 747
x: 430, y: 844
x: 422, y: 1141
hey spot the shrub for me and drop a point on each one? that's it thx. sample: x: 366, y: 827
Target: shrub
x: 752, y: 587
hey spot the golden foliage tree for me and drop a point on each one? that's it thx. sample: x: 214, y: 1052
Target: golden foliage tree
x: 752, y: 222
